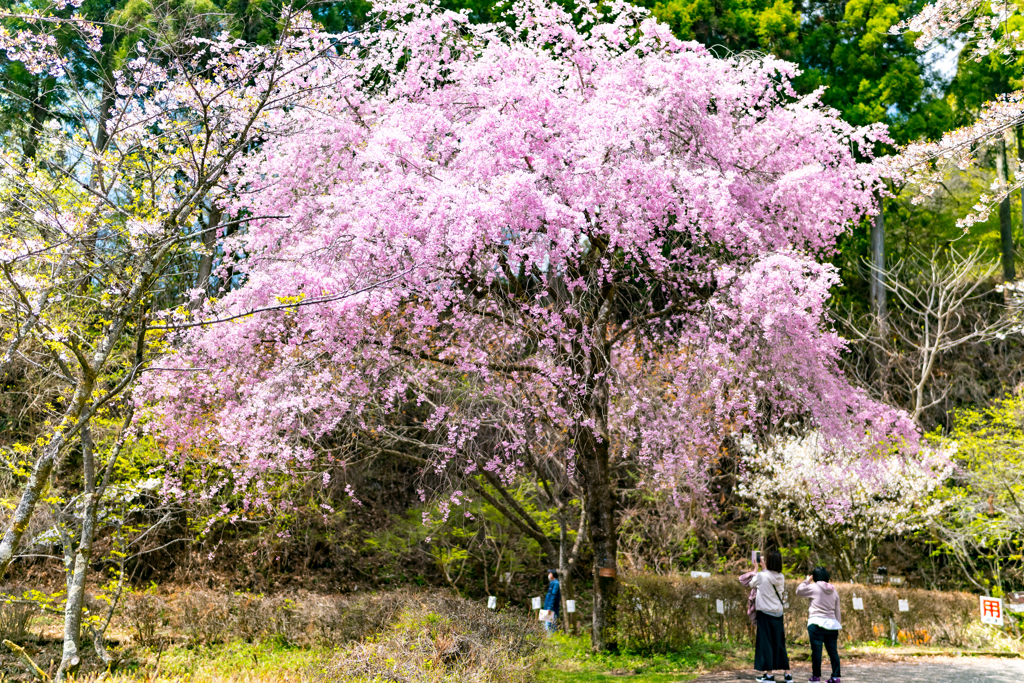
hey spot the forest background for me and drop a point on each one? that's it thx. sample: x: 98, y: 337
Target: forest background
x: 922, y: 301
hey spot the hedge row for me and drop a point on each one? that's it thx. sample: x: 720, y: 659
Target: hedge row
x: 663, y: 613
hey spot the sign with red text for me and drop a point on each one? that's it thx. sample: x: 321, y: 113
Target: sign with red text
x: 991, y: 611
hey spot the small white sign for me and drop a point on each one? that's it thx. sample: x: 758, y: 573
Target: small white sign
x: 904, y: 605
x: 720, y: 606
x: 991, y: 611
x: 570, y: 606
x: 535, y: 602
x: 700, y: 575
x: 858, y: 604
x: 1015, y: 608
x: 492, y: 602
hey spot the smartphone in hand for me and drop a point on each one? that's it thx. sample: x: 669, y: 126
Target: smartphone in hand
x: 756, y: 556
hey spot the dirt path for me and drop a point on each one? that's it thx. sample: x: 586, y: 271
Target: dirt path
x: 930, y: 670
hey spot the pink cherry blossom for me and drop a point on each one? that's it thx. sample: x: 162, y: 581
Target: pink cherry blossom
x: 563, y: 240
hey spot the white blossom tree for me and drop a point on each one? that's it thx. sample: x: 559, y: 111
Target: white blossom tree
x: 846, y: 500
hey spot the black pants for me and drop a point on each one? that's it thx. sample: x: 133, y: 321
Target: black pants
x: 770, y: 646
x: 823, y: 636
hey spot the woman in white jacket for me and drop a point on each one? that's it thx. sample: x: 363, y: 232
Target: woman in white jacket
x: 770, y: 645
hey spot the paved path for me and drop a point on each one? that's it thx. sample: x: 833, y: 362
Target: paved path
x: 931, y: 670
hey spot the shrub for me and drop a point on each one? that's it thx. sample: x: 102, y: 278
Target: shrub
x: 208, y: 617
x: 663, y: 613
x: 248, y: 616
x: 440, y: 637
x: 145, y: 613
x: 16, y: 619
x: 343, y: 620
x: 204, y: 617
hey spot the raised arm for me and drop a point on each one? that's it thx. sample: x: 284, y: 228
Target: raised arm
x: 806, y: 588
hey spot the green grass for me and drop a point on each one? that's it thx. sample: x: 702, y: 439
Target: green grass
x: 569, y: 660
x: 265, y: 660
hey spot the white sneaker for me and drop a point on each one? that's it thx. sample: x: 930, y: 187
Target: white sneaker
x: 765, y: 678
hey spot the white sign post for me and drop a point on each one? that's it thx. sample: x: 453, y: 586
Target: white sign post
x: 570, y: 606
x: 904, y: 605
x: 991, y: 611
x: 535, y: 602
x: 720, y: 606
x: 858, y: 604
x: 700, y: 575
x: 492, y: 602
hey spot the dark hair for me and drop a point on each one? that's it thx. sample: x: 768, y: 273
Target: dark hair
x: 820, y: 574
x: 773, y: 562
x: 553, y: 573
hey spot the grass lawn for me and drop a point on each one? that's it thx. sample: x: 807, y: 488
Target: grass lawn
x: 260, y: 661
x: 568, y: 659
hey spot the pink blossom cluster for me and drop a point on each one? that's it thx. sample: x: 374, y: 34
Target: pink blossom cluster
x: 539, y: 239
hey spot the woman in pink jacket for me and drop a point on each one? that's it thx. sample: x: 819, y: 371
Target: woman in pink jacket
x: 823, y: 621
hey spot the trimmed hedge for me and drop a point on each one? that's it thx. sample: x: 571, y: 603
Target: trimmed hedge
x: 663, y: 613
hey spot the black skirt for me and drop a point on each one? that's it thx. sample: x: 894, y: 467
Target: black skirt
x: 770, y: 645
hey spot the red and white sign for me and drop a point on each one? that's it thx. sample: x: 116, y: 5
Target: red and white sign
x: 991, y: 611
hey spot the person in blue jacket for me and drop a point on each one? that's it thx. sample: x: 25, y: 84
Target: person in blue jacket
x: 553, y: 599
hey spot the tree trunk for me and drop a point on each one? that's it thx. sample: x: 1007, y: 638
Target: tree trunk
x: 595, y: 468
x: 1005, y: 227
x: 39, y: 477
x: 1020, y: 166
x: 73, y: 606
x: 38, y: 112
x: 566, y: 565
x: 206, y: 260
x: 879, y: 303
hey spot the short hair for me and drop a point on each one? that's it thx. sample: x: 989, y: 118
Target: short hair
x: 553, y: 573
x: 820, y: 574
x: 774, y: 561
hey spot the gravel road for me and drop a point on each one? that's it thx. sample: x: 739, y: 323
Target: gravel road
x: 931, y: 670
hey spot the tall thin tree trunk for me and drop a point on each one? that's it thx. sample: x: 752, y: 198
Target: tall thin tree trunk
x: 1020, y: 167
x: 566, y: 565
x: 96, y: 181
x: 73, y: 606
x: 879, y: 299
x: 38, y: 112
x: 877, y: 363
x: 1005, y: 227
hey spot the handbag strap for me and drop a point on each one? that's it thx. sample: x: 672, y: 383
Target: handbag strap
x: 781, y: 601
